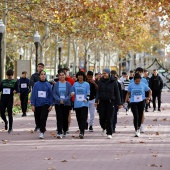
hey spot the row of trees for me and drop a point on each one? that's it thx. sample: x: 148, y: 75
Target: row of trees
x: 101, y: 25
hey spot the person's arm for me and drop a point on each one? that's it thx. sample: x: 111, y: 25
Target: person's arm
x: 16, y: 90
x: 55, y: 94
x: 32, y: 81
x: 33, y: 98
x: 117, y: 94
x: 161, y: 83
x: 127, y: 97
x: 149, y: 96
x: 68, y: 97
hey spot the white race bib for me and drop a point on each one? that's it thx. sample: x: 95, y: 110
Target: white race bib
x: 62, y: 97
x: 24, y: 85
x: 137, y: 98
x: 6, y: 90
x: 42, y: 94
x: 80, y: 97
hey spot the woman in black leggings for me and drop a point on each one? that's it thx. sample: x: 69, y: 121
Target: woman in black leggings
x: 136, y: 91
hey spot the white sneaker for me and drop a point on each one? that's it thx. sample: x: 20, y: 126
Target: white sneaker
x: 103, y: 132
x: 137, y: 133
x: 59, y: 136
x: 109, y: 136
x: 127, y: 112
x: 142, y: 129
x: 41, y: 135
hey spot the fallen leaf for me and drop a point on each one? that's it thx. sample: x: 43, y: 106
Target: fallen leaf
x: 122, y: 142
x: 52, y: 134
x: 141, y: 142
x: 153, y: 165
x: 48, y: 158
x: 74, y: 157
x: 32, y: 131
x: 64, y: 161
x: 155, y: 119
x: 165, y: 119
x: 154, y: 155
x: 157, y: 133
x: 51, y: 169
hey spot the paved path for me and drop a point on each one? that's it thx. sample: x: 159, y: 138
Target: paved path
x: 22, y: 150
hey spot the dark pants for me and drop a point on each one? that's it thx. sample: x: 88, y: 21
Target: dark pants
x: 41, y: 113
x: 62, y: 113
x: 137, y: 110
x: 81, y: 115
x: 106, y: 114
x: 7, y: 104
x: 115, y: 116
x: 158, y: 95
x: 24, y: 102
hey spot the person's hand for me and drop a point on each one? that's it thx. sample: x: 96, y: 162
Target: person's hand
x: 33, y: 108
x: 61, y: 102
x: 50, y: 108
x: 19, y: 94
x: 72, y: 94
x: 120, y: 106
x: 14, y: 91
x: 147, y: 101
x: 95, y: 104
x: 84, y: 100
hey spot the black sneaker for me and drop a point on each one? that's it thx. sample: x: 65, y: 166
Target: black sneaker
x: 146, y: 110
x: 91, y: 128
x: 64, y: 134
x: 159, y: 110
x: 6, y: 125
x: 10, y: 130
x: 24, y: 114
x: 81, y: 135
x: 114, y: 131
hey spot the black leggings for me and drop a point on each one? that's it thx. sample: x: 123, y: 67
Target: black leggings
x: 81, y: 115
x: 137, y: 110
x: 41, y: 113
x: 24, y: 102
x: 7, y: 104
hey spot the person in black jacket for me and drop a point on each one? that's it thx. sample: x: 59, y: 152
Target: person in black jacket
x: 156, y: 85
x: 23, y: 91
x: 106, y: 97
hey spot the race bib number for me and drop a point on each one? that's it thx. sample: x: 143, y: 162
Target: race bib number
x: 137, y: 98
x: 23, y: 85
x: 6, y: 91
x: 42, y: 94
x: 80, y: 97
x: 62, y: 97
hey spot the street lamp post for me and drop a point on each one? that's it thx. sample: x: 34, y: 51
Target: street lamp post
x: 2, y: 28
x: 36, y: 42
x: 88, y: 58
x: 59, y: 53
x: 21, y: 53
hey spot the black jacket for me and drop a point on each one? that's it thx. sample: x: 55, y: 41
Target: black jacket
x: 108, y: 90
x: 34, y: 78
x: 156, y: 83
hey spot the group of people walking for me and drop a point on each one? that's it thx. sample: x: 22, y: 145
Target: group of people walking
x: 107, y: 93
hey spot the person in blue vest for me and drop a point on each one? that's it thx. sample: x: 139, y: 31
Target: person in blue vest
x: 8, y: 87
x: 62, y: 101
x: 81, y: 92
x: 42, y: 102
x: 23, y: 90
x: 136, y: 92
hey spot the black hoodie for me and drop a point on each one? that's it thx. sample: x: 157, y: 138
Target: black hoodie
x: 108, y: 90
x: 156, y: 83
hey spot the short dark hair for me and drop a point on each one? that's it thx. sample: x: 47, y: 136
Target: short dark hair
x: 113, y: 72
x: 140, y: 69
x: 81, y: 73
x: 66, y: 68
x: 90, y: 73
x: 40, y: 64
x: 61, y: 71
x: 10, y: 72
x: 124, y: 73
x: 155, y: 70
x: 131, y: 71
x: 137, y: 76
x: 145, y: 70
x: 41, y: 72
x: 24, y: 72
